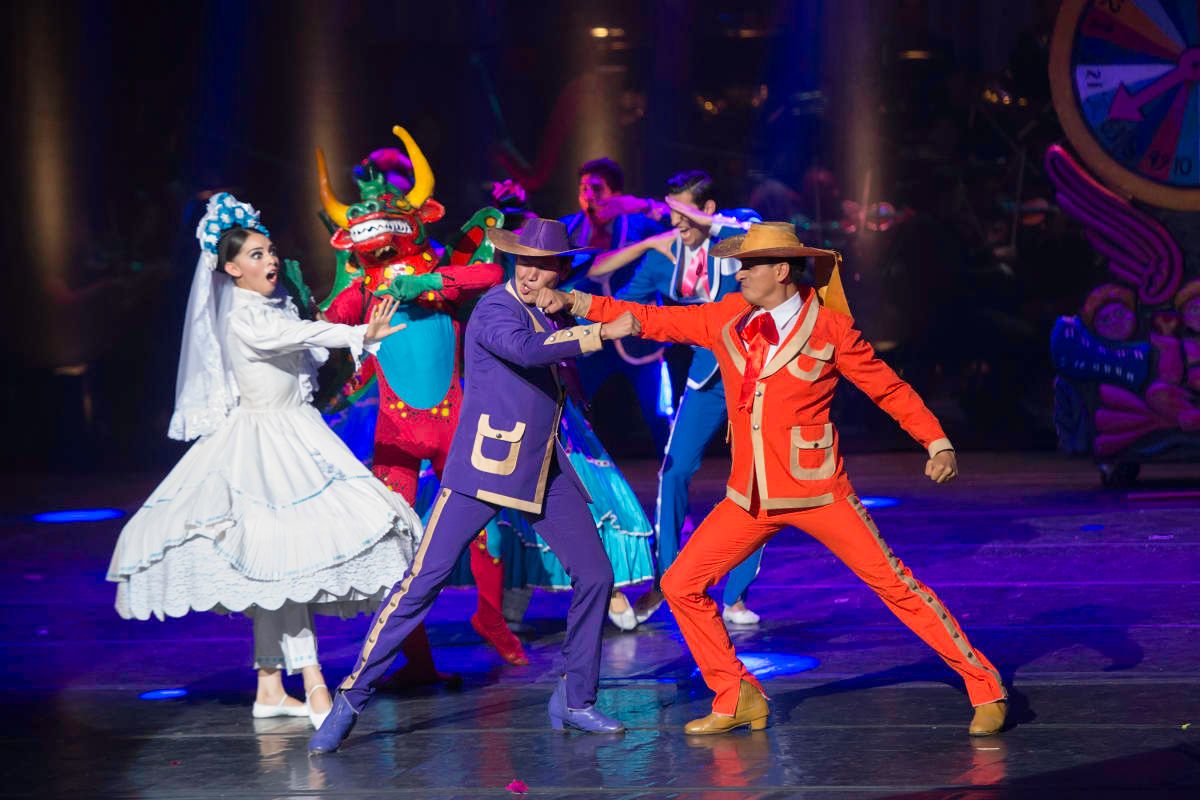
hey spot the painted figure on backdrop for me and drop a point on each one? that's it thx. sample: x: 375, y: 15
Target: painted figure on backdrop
x: 1127, y: 388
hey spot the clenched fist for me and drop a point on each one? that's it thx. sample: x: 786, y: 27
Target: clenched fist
x: 551, y: 301
x: 625, y: 325
x: 942, y: 467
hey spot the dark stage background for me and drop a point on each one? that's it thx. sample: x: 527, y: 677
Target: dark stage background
x: 931, y: 116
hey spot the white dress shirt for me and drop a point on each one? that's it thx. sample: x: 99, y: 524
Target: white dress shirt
x: 785, y: 315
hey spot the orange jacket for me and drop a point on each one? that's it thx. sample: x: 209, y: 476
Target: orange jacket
x: 784, y: 447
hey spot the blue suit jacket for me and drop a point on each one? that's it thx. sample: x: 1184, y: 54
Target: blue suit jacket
x: 626, y: 229
x: 658, y: 279
x: 508, y: 428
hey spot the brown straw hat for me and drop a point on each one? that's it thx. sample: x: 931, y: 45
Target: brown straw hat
x: 779, y: 240
x: 767, y: 240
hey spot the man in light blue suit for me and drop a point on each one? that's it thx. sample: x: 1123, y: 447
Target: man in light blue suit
x: 677, y: 269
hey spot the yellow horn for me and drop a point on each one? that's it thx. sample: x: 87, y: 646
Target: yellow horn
x: 422, y: 174
x: 333, y: 207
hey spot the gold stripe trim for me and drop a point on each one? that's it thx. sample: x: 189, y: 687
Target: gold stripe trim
x: 536, y: 325
x: 757, y: 447
x: 737, y: 497
x: 739, y: 363
x: 508, y: 502
x: 948, y: 621
x: 809, y: 375
x: 540, y: 492
x: 589, y: 338
x: 513, y: 502
x: 781, y: 503
x: 581, y: 303
x: 418, y: 561
x: 824, y: 354
x: 558, y: 336
x: 939, y: 445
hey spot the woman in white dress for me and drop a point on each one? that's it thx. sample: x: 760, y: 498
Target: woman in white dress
x: 268, y: 514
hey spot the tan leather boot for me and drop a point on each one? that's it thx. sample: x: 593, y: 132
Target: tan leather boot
x: 751, y: 710
x: 989, y: 719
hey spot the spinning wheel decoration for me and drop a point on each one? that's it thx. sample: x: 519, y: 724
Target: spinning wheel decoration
x: 1125, y: 76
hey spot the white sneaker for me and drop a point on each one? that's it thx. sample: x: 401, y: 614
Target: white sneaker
x: 739, y: 616
x: 264, y: 711
x: 316, y: 718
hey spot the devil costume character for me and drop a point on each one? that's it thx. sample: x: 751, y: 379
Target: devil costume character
x: 419, y: 379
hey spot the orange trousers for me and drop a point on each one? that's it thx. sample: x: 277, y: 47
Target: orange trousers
x: 730, y: 534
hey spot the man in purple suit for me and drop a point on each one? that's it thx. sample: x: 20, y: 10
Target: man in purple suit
x: 505, y: 453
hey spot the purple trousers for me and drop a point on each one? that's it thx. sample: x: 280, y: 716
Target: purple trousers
x: 567, y: 526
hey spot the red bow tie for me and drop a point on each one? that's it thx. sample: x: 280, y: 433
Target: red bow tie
x: 759, y: 335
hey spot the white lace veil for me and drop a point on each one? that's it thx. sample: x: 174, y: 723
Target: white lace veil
x: 205, y: 388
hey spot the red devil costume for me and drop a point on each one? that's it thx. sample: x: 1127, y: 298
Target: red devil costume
x: 420, y: 388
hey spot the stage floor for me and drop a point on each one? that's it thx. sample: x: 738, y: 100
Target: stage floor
x: 1086, y: 600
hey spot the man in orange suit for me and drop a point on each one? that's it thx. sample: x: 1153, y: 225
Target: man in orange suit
x: 781, y: 344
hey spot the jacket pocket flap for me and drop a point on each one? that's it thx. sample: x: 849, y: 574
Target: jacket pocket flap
x: 812, y: 437
x: 824, y: 353
x: 486, y: 430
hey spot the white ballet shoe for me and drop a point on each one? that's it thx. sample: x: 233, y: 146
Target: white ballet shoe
x: 625, y: 620
x: 648, y: 613
x: 314, y: 717
x: 739, y: 616
x: 265, y: 711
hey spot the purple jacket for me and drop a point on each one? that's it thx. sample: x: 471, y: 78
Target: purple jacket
x: 508, y: 428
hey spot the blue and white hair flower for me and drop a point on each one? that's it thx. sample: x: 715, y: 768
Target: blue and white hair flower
x: 224, y: 212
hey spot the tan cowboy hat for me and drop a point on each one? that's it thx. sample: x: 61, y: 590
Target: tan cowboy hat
x: 779, y: 240
x: 767, y: 240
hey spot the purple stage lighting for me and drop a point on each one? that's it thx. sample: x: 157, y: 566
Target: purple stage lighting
x: 78, y: 515
x: 768, y: 665
x: 163, y: 694
x: 879, y: 502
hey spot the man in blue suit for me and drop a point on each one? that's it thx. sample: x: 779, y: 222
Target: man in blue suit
x: 608, y: 219
x: 678, y: 269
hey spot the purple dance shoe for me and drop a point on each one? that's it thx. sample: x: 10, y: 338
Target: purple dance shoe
x: 586, y: 719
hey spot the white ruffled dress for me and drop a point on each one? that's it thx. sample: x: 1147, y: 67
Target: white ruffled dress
x: 271, y: 507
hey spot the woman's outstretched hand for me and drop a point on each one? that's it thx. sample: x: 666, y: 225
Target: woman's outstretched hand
x: 379, y: 326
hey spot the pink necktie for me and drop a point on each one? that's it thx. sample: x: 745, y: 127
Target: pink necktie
x: 696, y: 274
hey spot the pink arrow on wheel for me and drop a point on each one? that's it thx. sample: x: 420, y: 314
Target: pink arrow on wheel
x: 1127, y: 105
